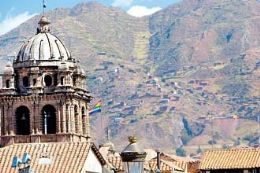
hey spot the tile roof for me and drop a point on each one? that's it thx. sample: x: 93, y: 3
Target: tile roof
x: 173, y: 162
x: 116, y: 161
x: 65, y: 157
x: 118, y: 165
x: 231, y: 159
x: 168, y: 163
x: 164, y: 165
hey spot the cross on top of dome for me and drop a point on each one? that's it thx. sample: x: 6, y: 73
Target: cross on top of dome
x: 44, y: 22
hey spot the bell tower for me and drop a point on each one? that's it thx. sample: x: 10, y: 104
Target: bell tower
x: 43, y: 98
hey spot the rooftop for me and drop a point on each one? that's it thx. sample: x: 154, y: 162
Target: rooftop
x: 64, y: 157
x: 239, y: 158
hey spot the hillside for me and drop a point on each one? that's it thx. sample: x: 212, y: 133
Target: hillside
x: 165, y: 76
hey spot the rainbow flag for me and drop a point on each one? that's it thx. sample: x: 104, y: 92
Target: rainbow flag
x: 98, y: 104
x: 96, y: 108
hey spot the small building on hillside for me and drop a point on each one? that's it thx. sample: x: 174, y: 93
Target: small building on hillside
x: 242, y: 160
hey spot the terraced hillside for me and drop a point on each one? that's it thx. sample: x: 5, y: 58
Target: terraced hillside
x: 179, y: 77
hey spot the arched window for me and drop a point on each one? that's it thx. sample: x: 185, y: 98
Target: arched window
x: 7, y: 83
x: 48, y: 80
x: 26, y: 81
x: 34, y: 82
x: 49, y: 119
x: 74, y: 81
x: 83, y: 111
x: 22, y: 115
x: 62, y: 80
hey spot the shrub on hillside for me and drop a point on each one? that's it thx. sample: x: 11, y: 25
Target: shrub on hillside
x: 180, y: 152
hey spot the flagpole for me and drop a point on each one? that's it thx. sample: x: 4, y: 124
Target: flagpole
x: 258, y: 121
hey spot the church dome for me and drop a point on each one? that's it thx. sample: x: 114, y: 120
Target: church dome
x: 43, y: 46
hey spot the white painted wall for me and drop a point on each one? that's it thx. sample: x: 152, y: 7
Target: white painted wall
x: 92, y: 164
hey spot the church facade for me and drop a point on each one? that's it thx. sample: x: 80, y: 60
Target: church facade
x: 43, y: 98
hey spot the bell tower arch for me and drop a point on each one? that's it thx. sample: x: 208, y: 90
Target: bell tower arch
x: 49, y: 119
x: 22, y: 117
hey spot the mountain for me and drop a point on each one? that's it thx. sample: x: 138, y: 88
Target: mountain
x: 184, y: 75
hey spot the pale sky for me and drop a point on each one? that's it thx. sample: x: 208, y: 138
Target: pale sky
x: 15, y: 12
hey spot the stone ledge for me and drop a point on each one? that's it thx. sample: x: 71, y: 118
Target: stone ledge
x: 38, y: 138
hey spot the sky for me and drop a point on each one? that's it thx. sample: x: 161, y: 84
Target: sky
x: 15, y: 12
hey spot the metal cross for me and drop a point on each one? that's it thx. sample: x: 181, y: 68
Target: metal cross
x: 43, y: 7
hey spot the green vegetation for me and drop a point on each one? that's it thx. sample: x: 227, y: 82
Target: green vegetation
x: 212, y: 142
x: 236, y: 89
x: 180, y: 152
x: 225, y: 146
x: 251, y: 138
x: 190, y: 131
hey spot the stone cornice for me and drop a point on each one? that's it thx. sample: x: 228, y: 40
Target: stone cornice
x: 40, y: 97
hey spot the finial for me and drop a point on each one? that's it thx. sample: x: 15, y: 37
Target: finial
x: 132, y: 139
x: 43, y: 25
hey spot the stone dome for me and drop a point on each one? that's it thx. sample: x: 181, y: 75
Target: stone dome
x: 43, y: 46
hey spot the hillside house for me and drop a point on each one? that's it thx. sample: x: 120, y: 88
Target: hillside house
x: 242, y: 160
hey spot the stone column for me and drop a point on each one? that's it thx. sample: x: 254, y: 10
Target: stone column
x: 12, y: 119
x: 33, y: 118
x: 38, y: 115
x: 6, y: 124
x: 80, y: 121
x: 63, y: 119
x: 1, y: 115
x: 33, y: 115
x: 87, y: 125
x: 3, y: 121
x: 12, y: 82
x: 68, y: 118
x: 84, y: 120
x: 72, y: 120
x: 87, y: 122
x: 58, y: 119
